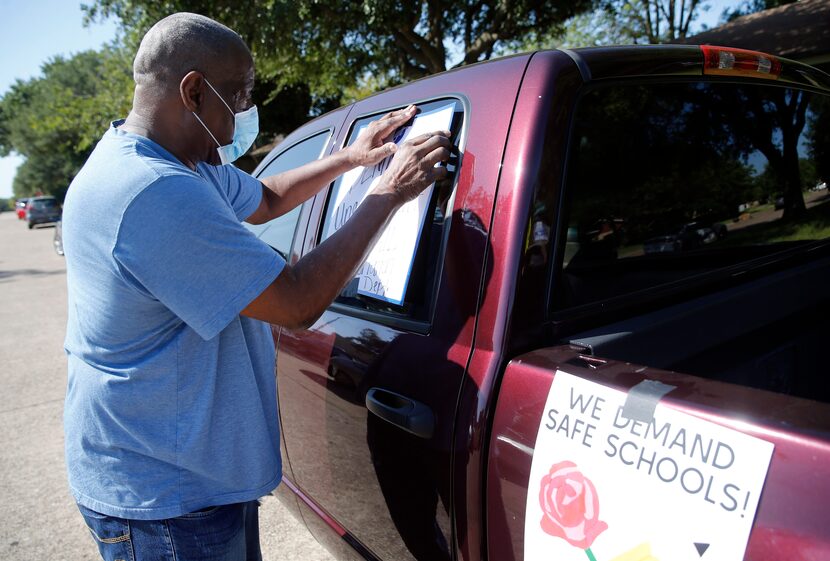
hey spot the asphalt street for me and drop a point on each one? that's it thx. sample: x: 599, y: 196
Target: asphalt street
x: 38, y: 518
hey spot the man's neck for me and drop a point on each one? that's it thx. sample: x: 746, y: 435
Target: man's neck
x: 154, y: 129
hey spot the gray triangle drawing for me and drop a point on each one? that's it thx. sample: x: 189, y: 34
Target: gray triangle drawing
x: 701, y: 548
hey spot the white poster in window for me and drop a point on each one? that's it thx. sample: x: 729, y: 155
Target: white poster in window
x: 606, y: 487
x: 386, y: 272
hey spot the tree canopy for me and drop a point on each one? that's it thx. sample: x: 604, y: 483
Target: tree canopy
x: 616, y: 22
x: 55, y: 120
x: 310, y: 56
x: 342, y: 49
x: 655, y: 21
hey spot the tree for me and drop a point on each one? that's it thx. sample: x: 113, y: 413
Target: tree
x: 55, y: 120
x: 771, y: 120
x: 818, y: 136
x: 655, y: 21
x: 590, y: 29
x: 615, y: 22
x: 334, y: 47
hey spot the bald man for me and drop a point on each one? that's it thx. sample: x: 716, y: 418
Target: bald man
x: 171, y: 414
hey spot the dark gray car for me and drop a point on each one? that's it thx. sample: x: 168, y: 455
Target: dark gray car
x: 42, y: 210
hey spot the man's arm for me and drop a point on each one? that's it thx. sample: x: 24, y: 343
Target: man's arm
x: 301, y: 293
x: 283, y: 192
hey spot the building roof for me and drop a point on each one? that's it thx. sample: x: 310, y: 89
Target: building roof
x: 799, y: 31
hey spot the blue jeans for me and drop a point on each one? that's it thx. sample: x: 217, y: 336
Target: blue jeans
x: 222, y: 533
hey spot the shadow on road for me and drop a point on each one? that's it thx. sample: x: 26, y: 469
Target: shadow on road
x: 6, y: 275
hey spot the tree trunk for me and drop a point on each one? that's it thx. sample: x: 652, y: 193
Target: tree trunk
x: 795, y: 111
x: 794, y: 206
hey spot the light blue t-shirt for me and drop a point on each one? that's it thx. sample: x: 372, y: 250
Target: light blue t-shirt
x: 171, y: 398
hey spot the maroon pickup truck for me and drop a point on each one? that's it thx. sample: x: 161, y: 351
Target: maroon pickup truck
x: 609, y: 227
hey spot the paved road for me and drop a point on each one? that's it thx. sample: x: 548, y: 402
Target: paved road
x: 38, y: 519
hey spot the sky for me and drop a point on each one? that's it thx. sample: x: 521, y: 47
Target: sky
x: 33, y: 31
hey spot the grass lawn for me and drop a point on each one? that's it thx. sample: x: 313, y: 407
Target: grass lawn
x: 814, y: 225
x: 761, y: 208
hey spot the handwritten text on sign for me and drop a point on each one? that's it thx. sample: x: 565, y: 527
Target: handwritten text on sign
x: 664, y: 490
x: 386, y: 271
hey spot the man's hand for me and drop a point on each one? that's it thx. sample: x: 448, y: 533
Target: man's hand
x: 413, y: 168
x: 375, y: 144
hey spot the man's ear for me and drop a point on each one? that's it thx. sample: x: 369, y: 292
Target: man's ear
x: 191, y: 90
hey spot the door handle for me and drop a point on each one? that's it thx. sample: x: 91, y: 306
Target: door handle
x: 410, y: 415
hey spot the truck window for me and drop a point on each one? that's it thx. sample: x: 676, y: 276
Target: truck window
x: 279, y: 232
x: 671, y: 184
x: 420, y: 285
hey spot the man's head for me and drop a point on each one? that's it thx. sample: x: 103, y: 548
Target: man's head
x: 178, y: 60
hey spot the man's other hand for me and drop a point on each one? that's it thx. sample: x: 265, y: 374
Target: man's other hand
x: 376, y: 143
x: 413, y: 168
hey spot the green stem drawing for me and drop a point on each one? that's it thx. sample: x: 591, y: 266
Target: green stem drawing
x: 590, y: 554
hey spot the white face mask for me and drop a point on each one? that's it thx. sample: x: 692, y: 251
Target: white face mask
x: 245, y: 131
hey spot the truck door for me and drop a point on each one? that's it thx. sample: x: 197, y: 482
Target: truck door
x: 367, y: 394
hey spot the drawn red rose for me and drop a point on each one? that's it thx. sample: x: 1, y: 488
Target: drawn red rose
x: 570, y: 506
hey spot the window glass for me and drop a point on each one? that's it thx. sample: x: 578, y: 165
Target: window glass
x: 45, y: 203
x: 669, y: 182
x: 279, y: 232
x: 419, y: 290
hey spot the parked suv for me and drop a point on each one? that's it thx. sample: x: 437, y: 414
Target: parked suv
x: 42, y: 210
x: 519, y: 373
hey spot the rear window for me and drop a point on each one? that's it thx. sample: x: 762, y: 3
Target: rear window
x: 669, y: 183
x: 45, y: 203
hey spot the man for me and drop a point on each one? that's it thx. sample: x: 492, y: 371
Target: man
x: 171, y: 415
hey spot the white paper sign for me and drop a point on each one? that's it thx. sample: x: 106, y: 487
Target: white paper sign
x: 606, y: 488
x: 386, y: 271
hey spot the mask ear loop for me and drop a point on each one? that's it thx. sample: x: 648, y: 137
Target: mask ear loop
x: 223, y: 103
x: 206, y: 128
x: 219, y: 96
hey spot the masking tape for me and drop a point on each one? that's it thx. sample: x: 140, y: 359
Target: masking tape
x: 643, y: 398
